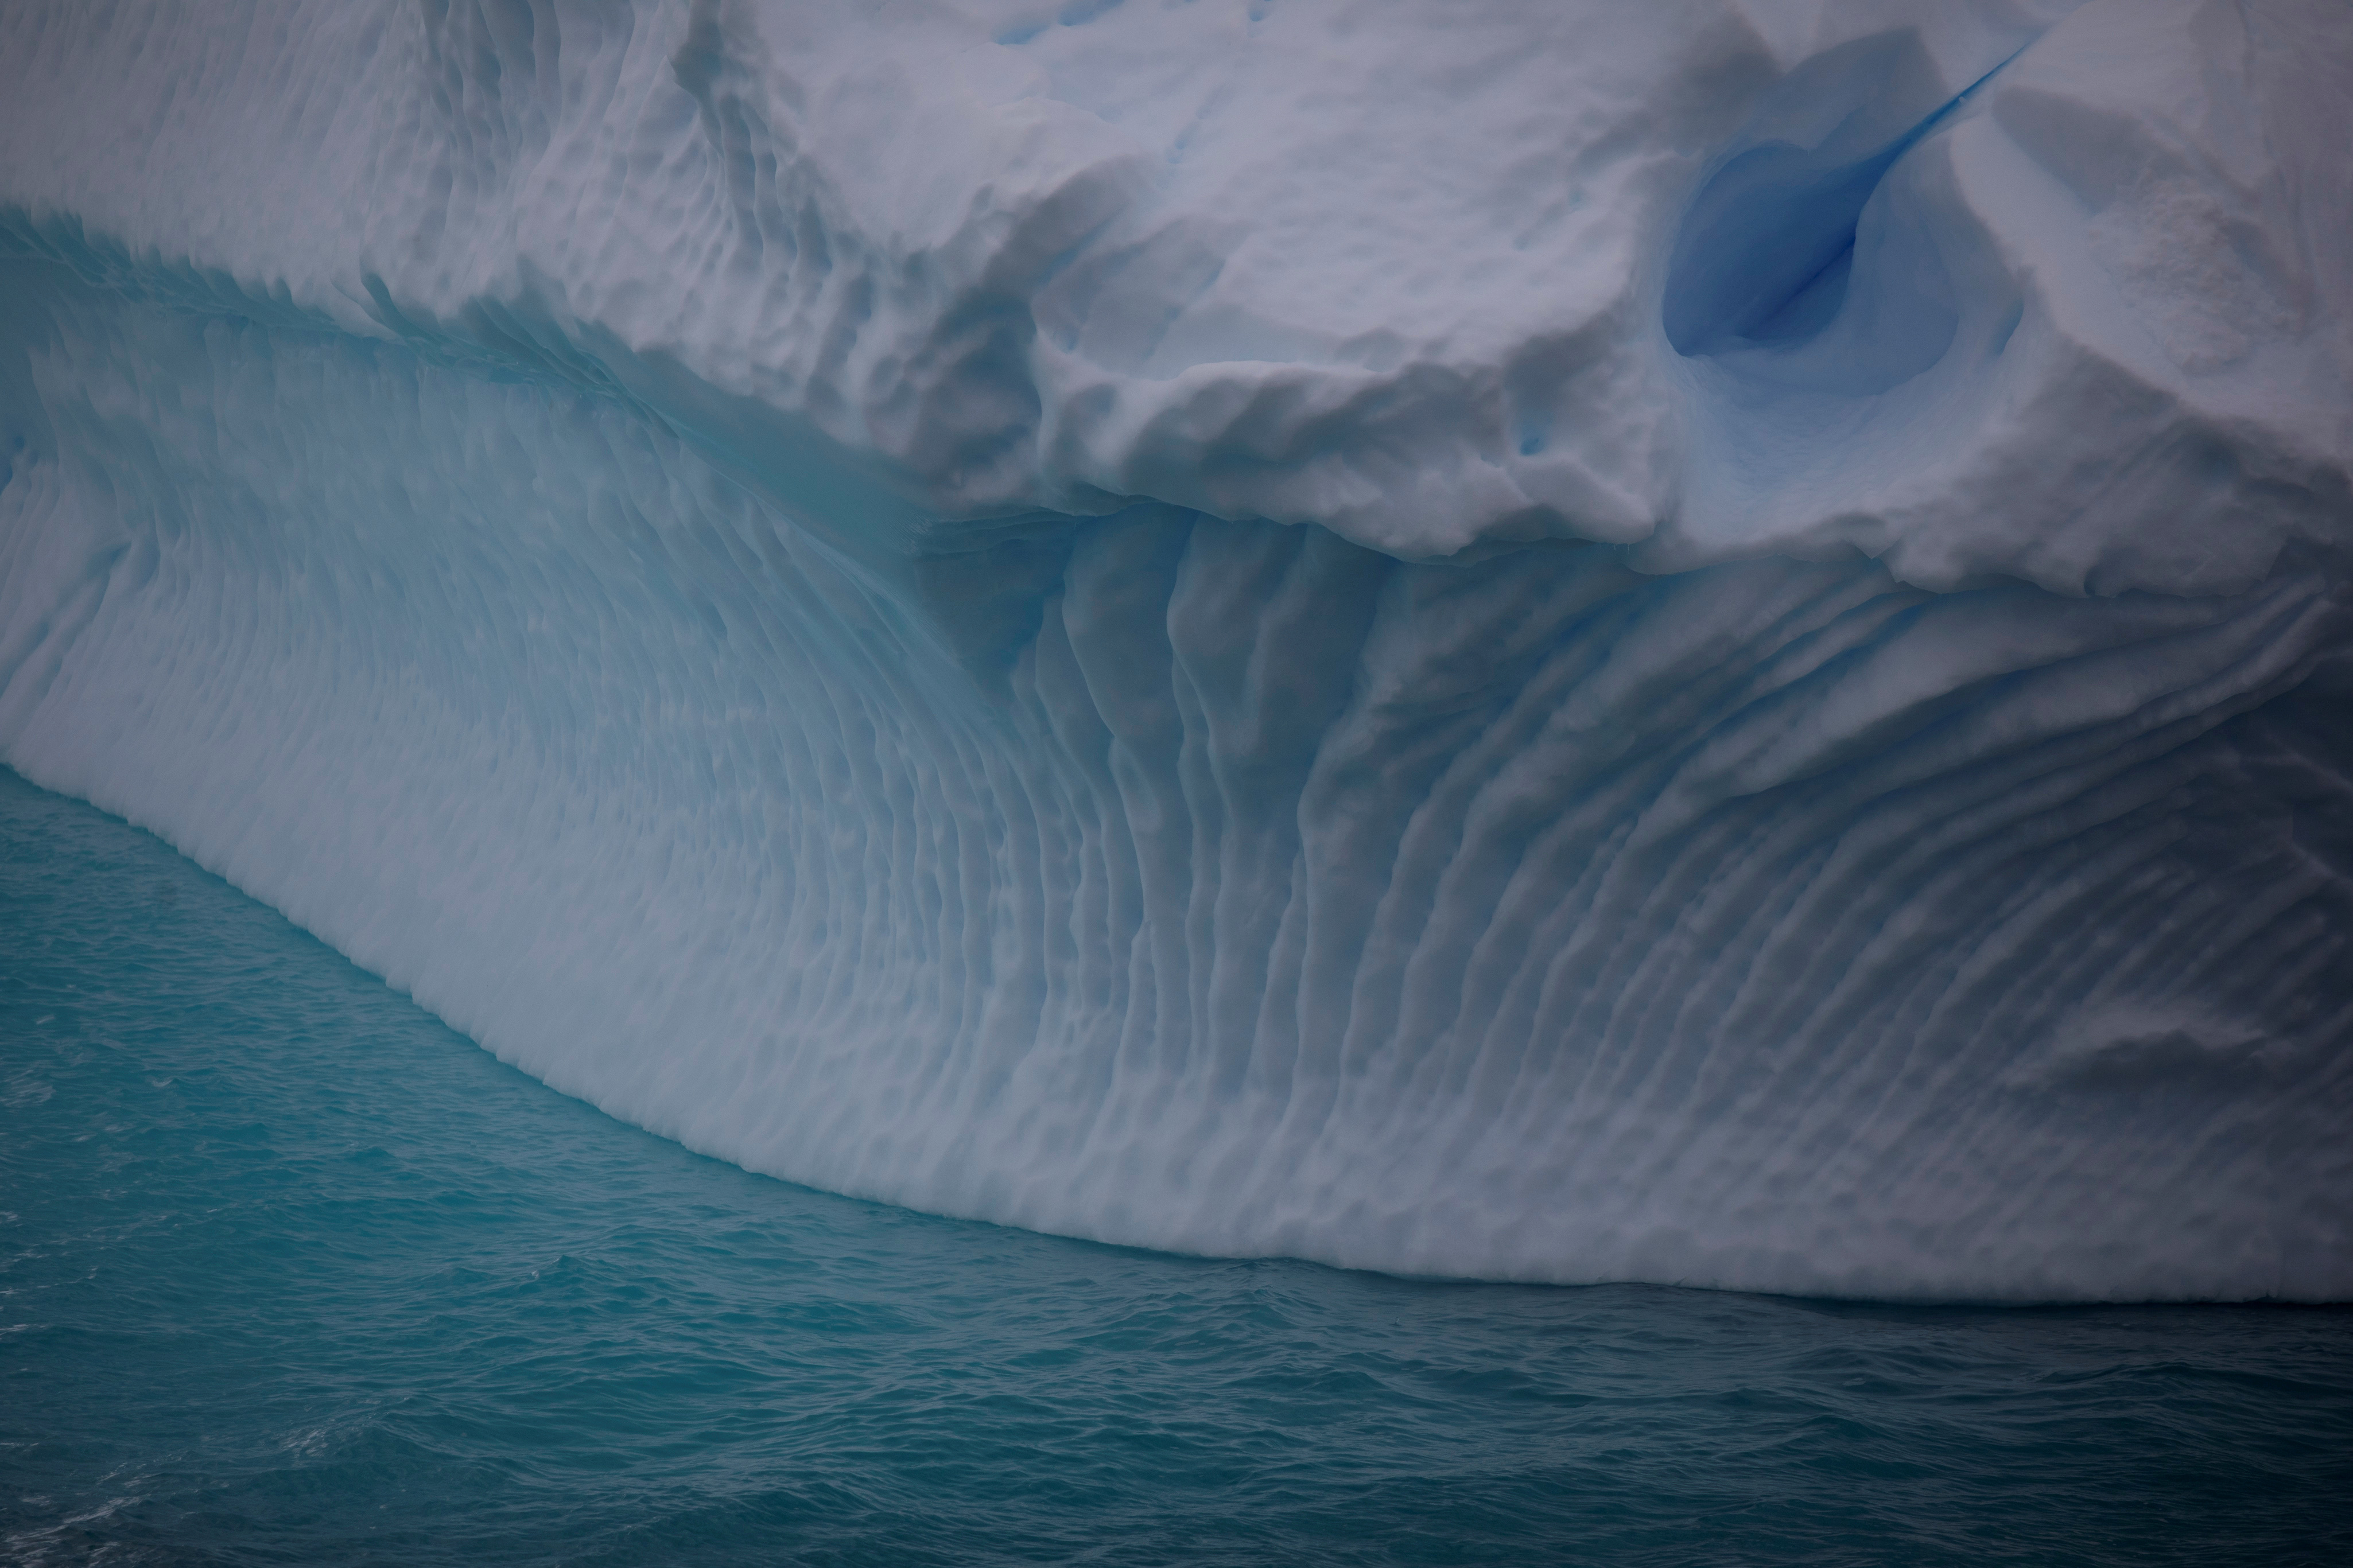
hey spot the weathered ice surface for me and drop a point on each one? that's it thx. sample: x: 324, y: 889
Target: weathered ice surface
x: 1700, y: 642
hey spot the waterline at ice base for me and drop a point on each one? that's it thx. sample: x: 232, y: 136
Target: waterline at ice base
x: 1700, y: 643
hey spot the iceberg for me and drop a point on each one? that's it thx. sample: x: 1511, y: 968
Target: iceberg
x: 1707, y: 643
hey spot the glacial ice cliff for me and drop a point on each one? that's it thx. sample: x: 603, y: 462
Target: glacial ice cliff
x: 1705, y: 642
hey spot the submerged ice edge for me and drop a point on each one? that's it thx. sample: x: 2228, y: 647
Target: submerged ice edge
x: 1221, y: 886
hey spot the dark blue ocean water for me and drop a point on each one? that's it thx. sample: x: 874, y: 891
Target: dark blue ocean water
x: 289, y: 1273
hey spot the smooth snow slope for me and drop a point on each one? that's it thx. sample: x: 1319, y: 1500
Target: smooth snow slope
x: 1700, y: 642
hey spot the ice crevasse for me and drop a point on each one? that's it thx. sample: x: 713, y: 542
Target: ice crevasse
x: 1701, y: 642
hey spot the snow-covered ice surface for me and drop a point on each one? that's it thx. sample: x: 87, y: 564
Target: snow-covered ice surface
x: 1701, y: 642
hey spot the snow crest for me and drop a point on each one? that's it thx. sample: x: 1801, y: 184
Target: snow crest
x: 1706, y: 642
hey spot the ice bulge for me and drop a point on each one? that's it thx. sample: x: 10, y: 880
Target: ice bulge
x: 1707, y: 642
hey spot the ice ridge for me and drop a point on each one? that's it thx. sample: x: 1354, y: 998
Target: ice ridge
x: 1700, y: 643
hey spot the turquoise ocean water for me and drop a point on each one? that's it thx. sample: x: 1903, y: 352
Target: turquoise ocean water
x: 290, y: 1273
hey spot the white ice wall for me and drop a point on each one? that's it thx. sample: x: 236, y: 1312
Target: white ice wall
x: 1399, y: 271
x: 1251, y: 628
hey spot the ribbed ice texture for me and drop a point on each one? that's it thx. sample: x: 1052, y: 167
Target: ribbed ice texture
x: 482, y: 486
x: 1230, y: 887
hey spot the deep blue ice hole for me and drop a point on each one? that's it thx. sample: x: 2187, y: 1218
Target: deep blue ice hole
x: 1802, y: 266
x: 1766, y: 251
